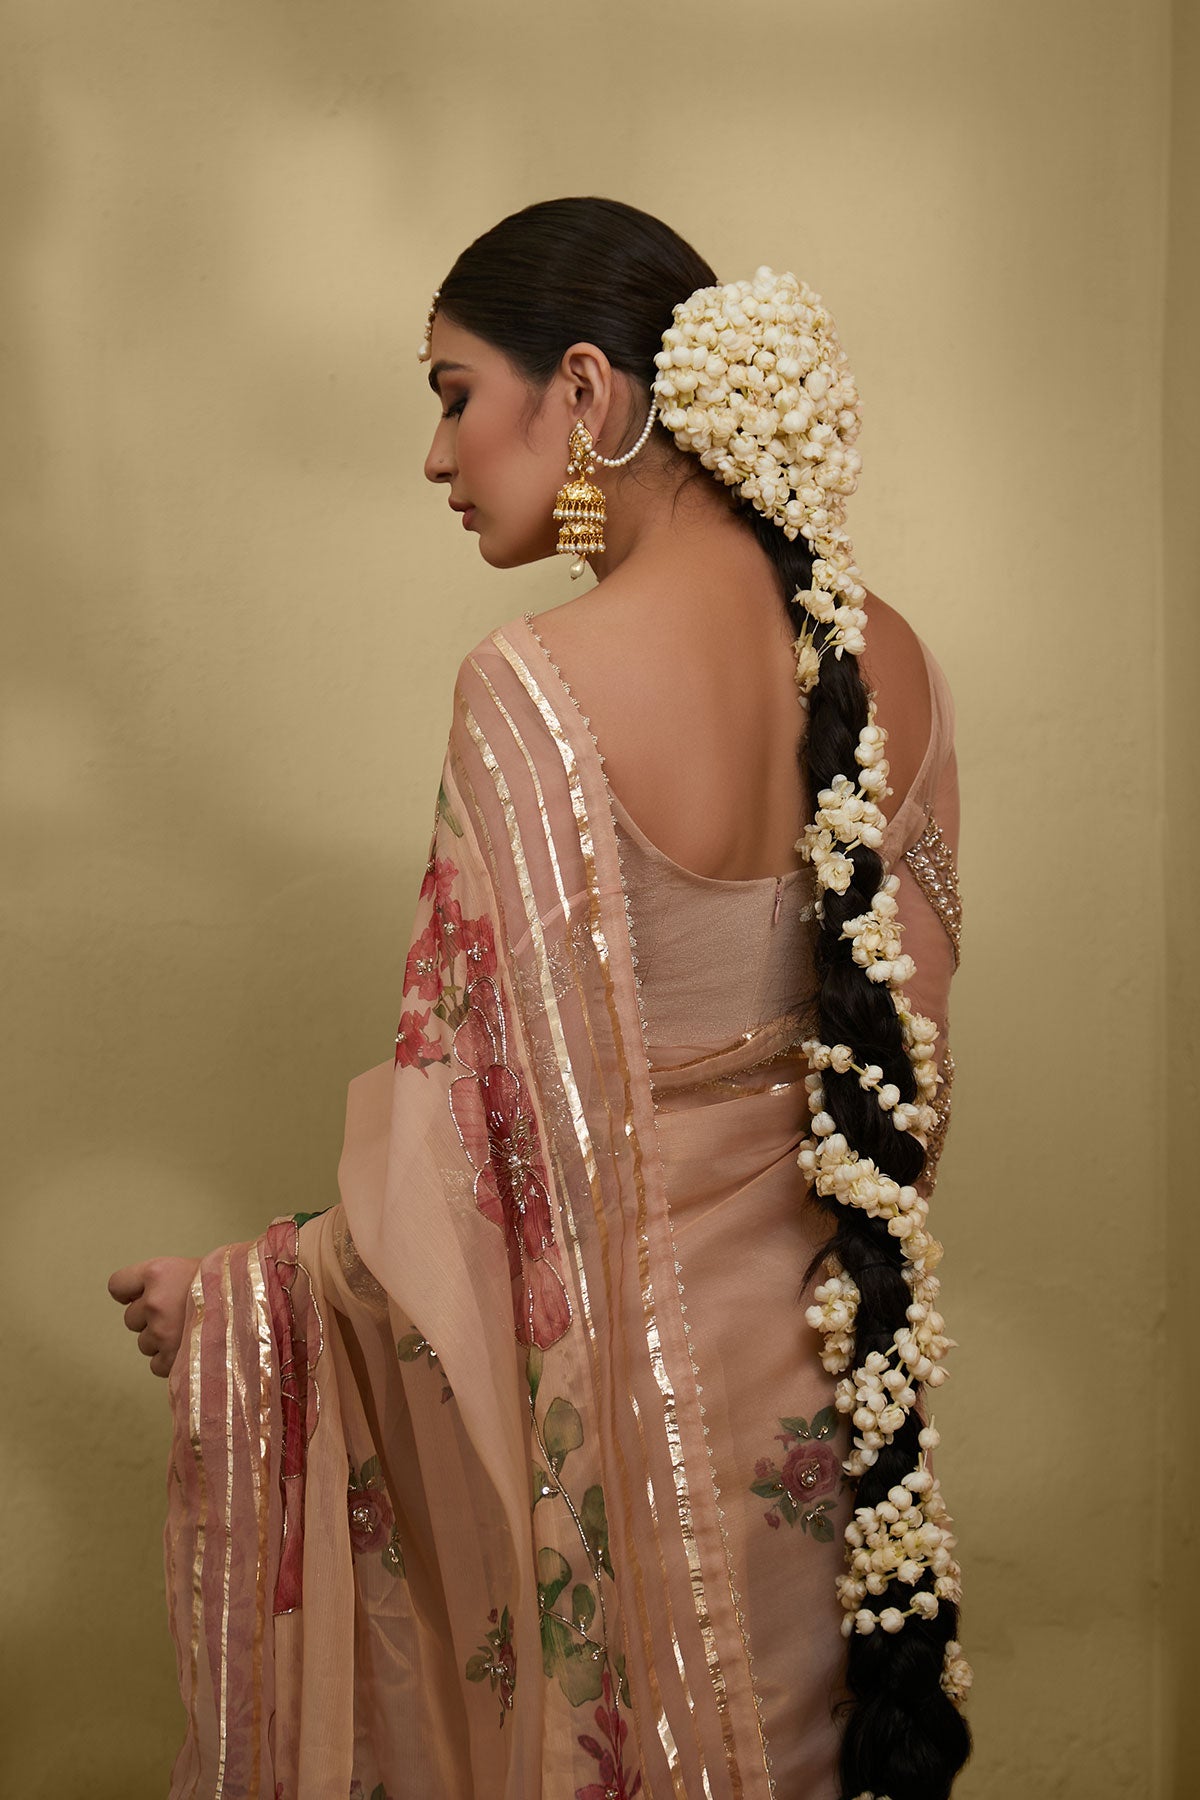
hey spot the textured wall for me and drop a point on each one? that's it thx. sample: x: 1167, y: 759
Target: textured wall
x: 231, y: 621
x: 1181, y: 457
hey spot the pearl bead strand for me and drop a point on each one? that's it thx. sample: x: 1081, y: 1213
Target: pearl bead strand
x: 617, y: 462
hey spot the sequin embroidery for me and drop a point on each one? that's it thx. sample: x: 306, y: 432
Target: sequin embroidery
x: 932, y: 863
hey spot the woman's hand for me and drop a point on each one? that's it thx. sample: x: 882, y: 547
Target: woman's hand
x: 155, y: 1295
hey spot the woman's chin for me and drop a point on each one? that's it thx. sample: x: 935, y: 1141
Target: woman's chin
x: 511, y: 556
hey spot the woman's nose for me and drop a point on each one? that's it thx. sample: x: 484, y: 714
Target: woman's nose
x: 439, y: 465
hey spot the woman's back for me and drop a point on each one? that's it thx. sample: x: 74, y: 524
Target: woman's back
x: 692, y: 699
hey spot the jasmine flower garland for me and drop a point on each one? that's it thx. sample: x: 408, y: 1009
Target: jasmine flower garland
x: 753, y: 380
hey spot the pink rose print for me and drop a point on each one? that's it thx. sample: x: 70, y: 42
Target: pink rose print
x: 616, y: 1782
x: 372, y: 1521
x: 492, y: 1111
x: 802, y: 1492
x: 812, y: 1472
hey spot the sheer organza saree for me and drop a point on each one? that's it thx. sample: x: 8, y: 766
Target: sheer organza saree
x: 443, y: 1516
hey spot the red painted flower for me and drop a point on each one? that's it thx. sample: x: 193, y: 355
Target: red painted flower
x: 504, y: 1658
x: 616, y: 1782
x: 447, y: 922
x: 423, y: 967
x: 495, y: 1120
x: 439, y: 874
x: 812, y: 1471
x: 479, y: 943
x: 495, y: 1661
x: 413, y: 1048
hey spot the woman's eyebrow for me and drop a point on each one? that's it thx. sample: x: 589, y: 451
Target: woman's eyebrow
x: 442, y: 368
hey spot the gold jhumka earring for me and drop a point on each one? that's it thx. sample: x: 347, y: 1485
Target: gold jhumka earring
x: 579, y: 511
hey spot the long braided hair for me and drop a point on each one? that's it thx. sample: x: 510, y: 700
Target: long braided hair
x: 595, y: 269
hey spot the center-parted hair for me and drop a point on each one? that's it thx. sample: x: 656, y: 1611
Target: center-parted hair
x: 594, y: 270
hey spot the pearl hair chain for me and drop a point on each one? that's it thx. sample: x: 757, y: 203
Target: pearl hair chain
x: 617, y: 462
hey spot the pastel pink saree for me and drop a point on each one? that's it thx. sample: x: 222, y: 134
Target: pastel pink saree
x: 515, y: 1473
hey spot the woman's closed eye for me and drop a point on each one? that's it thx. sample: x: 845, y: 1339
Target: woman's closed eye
x: 455, y: 408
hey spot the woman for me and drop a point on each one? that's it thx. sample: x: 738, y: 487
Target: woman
x: 523, y: 1470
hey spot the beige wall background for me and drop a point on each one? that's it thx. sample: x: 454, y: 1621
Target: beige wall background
x: 233, y: 611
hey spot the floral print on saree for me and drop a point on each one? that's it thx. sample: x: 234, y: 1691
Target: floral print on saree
x: 372, y: 1520
x: 494, y: 1117
x: 573, y: 1613
x: 496, y: 1660
x: 803, y: 1490
x: 446, y: 954
x: 615, y: 1783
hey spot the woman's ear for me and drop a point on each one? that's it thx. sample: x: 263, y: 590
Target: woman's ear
x: 588, y: 384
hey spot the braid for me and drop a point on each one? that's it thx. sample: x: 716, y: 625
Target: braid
x: 904, y: 1737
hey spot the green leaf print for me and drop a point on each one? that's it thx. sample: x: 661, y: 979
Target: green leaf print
x: 558, y: 1644
x: 594, y: 1520
x: 445, y: 811
x: 562, y: 1432
x: 533, y: 1369
x: 553, y: 1574
x: 824, y: 1423
x: 302, y: 1218
x: 543, y: 1487
x: 581, y: 1675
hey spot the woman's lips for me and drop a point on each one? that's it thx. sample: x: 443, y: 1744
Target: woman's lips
x: 467, y: 517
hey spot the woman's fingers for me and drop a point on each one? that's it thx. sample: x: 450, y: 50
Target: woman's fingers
x: 126, y: 1284
x: 156, y: 1296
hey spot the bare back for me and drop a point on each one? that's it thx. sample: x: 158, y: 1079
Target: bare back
x: 695, y: 709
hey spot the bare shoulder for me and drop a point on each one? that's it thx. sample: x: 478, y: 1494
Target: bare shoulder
x: 894, y: 667
x: 612, y: 654
x: 691, y: 695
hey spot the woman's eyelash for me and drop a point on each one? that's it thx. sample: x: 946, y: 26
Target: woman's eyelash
x: 452, y: 412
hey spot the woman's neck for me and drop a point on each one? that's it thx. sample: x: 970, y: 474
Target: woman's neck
x: 666, y: 536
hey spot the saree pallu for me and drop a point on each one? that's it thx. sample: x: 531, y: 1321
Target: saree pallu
x: 516, y: 1472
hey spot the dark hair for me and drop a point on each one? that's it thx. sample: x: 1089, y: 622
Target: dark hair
x: 594, y: 269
